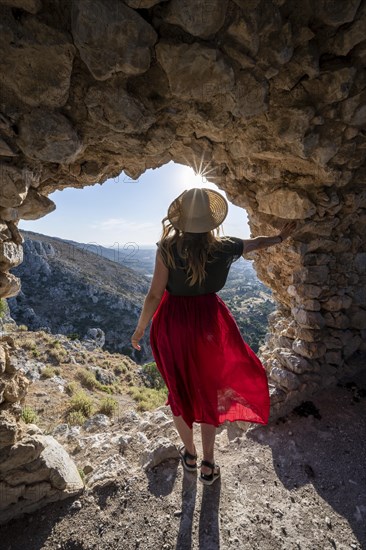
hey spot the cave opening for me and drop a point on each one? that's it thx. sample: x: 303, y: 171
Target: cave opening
x: 120, y: 221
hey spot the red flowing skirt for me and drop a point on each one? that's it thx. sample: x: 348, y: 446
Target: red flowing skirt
x: 211, y: 373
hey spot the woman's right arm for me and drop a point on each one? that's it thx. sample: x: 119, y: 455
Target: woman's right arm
x: 152, y: 299
x: 263, y: 242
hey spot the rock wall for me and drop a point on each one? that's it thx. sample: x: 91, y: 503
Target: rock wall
x: 269, y: 95
x: 34, y: 468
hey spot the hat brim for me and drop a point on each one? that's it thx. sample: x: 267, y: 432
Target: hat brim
x: 202, y: 218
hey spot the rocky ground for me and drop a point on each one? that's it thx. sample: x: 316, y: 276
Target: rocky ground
x: 299, y: 483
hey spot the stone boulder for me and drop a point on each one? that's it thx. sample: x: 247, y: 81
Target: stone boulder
x: 24, y: 54
x: 36, y: 471
x: 111, y: 38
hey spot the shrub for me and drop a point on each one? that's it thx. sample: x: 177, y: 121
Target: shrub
x: 75, y: 418
x: 107, y: 389
x: 81, y: 402
x: 56, y: 344
x: 29, y: 415
x: 147, y: 398
x: 57, y: 355
x: 152, y: 377
x: 3, y: 308
x: 74, y: 336
x: 82, y: 474
x: 107, y: 406
x: 35, y: 352
x: 120, y: 369
x: 71, y: 388
x: 30, y: 345
x: 22, y: 328
x: 87, y: 379
x: 48, y: 372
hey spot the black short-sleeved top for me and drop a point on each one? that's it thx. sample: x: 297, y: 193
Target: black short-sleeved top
x: 217, y: 270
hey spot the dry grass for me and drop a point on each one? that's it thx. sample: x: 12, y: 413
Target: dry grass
x: 83, y: 393
x: 29, y: 415
x: 147, y: 399
x: 81, y: 402
x: 48, y: 372
x: 108, y: 406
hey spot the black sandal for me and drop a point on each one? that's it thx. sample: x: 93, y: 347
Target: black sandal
x: 208, y: 479
x: 184, y: 454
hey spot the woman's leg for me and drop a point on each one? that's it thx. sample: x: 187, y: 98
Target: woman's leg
x: 186, y: 435
x: 208, y: 434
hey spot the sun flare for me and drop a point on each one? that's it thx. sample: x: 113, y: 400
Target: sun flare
x: 196, y: 176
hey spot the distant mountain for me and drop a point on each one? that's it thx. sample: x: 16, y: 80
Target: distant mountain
x: 130, y: 254
x: 70, y: 290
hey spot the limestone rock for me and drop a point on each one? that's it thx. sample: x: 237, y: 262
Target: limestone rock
x: 23, y: 452
x: 202, y: 72
x: 336, y: 12
x: 111, y: 38
x: 11, y: 254
x: 117, y: 110
x: 331, y: 86
x: 63, y: 472
x: 293, y: 362
x: 308, y: 319
x: 108, y: 470
x: 335, y: 303
x: 311, y: 350
x: 36, y: 65
x: 35, y: 206
x: 50, y: 136
x: 284, y: 378
x: 360, y: 262
x: 13, y: 386
x: 358, y: 318
x: 286, y: 203
x: 32, y: 6
x: 143, y: 4
x: 251, y: 96
x: 14, y: 185
x: 160, y: 450
x: 346, y: 40
x: 3, y: 359
x: 8, y: 429
x: 244, y: 31
x: 36, y: 471
x: 9, y: 285
x: 336, y: 319
x: 96, y: 422
x: 201, y: 19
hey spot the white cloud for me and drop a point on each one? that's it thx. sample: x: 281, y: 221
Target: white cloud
x: 121, y: 224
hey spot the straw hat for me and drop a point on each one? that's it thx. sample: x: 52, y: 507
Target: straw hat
x: 198, y: 210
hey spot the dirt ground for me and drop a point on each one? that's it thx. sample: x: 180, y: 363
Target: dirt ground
x: 297, y: 484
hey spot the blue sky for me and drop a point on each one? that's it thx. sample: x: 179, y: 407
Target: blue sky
x: 125, y: 211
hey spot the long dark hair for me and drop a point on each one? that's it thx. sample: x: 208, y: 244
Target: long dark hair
x: 195, y: 248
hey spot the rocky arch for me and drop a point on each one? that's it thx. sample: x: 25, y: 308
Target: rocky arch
x: 270, y: 94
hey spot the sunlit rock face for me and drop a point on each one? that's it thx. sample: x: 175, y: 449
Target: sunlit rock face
x: 270, y: 95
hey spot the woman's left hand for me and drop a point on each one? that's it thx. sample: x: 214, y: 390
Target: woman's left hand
x: 287, y: 229
x: 136, y: 336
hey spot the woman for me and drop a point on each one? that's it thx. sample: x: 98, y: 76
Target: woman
x: 212, y: 375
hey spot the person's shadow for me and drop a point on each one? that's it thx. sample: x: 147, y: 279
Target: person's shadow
x: 323, y: 444
x: 189, y: 492
x: 209, y: 530
x: 209, y: 534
